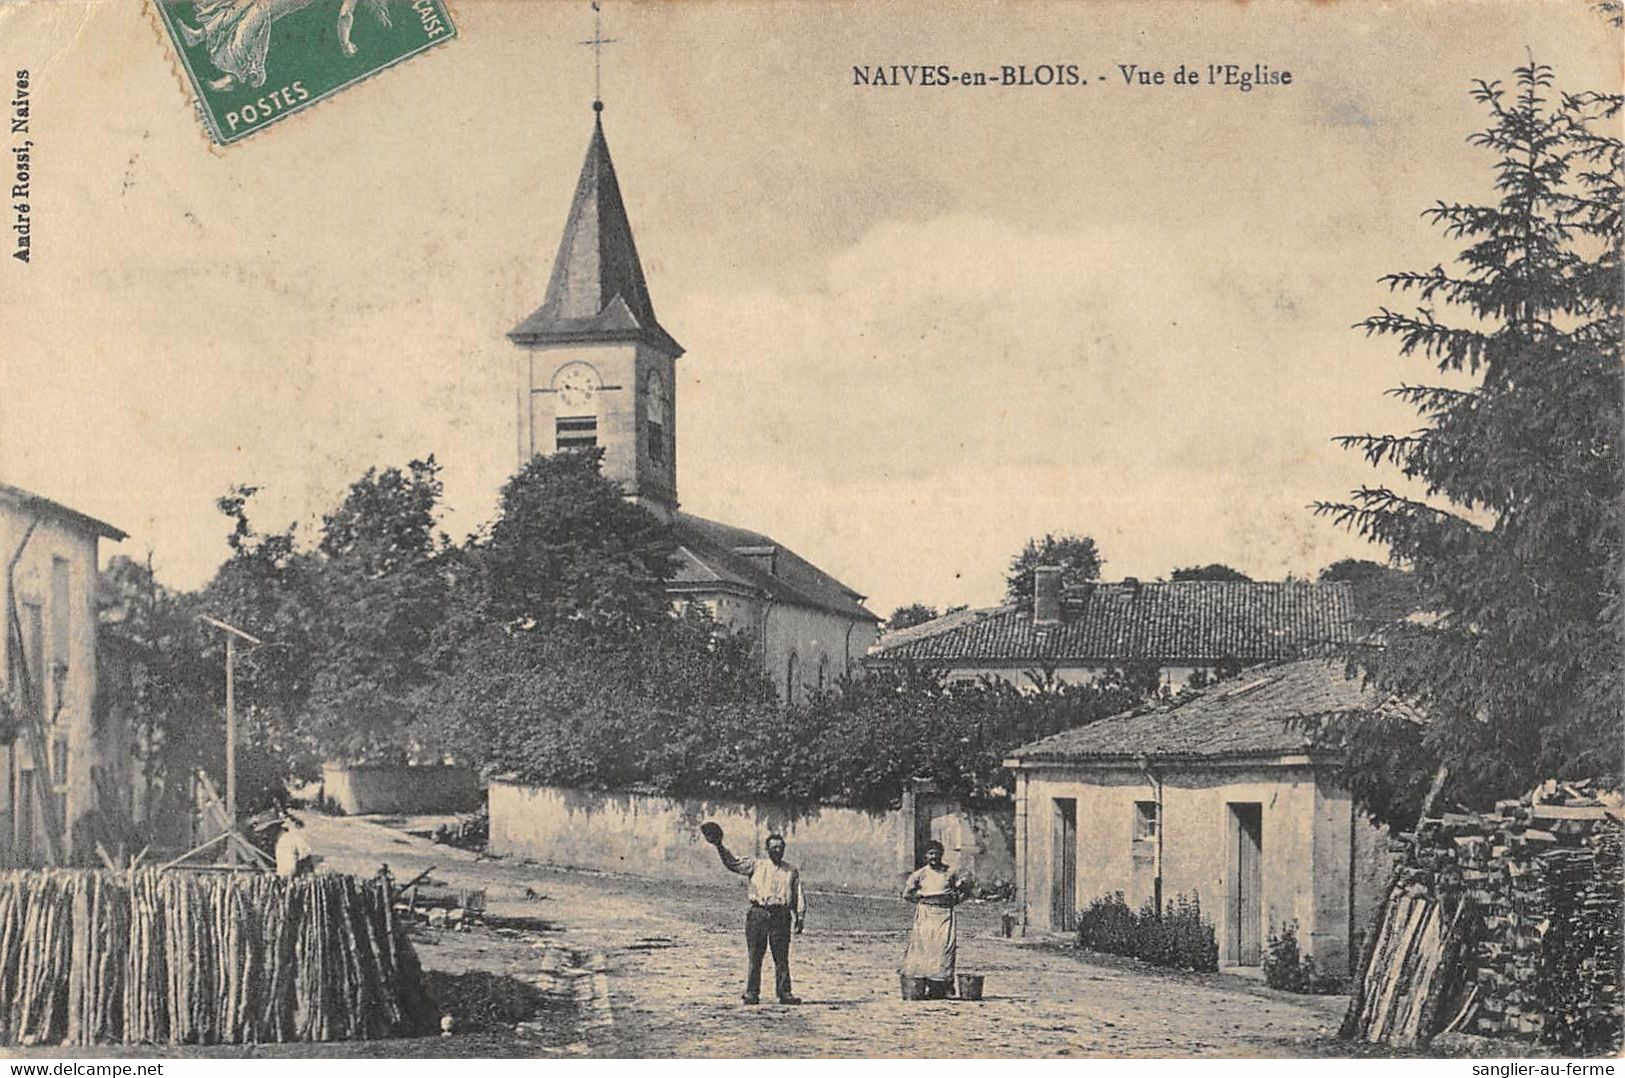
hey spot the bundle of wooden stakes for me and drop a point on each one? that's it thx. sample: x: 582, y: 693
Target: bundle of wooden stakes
x: 1505, y: 924
x: 92, y: 957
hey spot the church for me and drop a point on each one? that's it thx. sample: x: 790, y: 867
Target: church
x: 597, y: 369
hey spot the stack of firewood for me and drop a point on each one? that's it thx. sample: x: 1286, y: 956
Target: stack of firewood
x: 1503, y: 924
x: 202, y: 958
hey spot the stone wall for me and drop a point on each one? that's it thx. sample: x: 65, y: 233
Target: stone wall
x: 836, y: 848
x: 410, y: 790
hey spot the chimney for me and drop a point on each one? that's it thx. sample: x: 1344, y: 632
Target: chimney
x: 1132, y: 585
x: 1046, y: 594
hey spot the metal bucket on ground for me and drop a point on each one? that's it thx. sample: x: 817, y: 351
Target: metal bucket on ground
x: 914, y: 987
x: 970, y: 986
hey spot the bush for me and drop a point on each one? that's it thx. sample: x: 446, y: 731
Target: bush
x: 683, y: 710
x: 1179, y: 939
x: 1286, y: 968
x: 997, y: 890
x: 469, y: 832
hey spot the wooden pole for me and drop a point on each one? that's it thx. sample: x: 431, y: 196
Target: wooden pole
x: 231, y: 733
x: 232, y: 633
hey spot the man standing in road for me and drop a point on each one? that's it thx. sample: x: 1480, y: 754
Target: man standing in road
x: 776, y: 905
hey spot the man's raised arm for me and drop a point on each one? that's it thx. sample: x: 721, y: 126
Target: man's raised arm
x: 742, y: 865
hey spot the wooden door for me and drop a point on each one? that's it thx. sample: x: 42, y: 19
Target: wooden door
x: 1247, y: 883
x: 1064, y: 866
x: 928, y: 809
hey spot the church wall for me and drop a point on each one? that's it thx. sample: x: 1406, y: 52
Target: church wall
x: 813, y: 636
x: 736, y: 613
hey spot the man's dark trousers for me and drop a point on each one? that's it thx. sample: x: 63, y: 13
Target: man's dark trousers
x: 768, y: 926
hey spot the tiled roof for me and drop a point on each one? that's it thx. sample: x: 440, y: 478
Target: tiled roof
x: 597, y: 291
x: 1190, y: 622
x: 711, y: 554
x: 1250, y: 715
x: 37, y: 503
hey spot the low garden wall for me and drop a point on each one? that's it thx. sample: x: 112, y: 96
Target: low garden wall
x: 405, y: 790
x: 835, y: 848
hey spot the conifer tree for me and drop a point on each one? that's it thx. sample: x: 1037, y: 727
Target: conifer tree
x: 1509, y: 514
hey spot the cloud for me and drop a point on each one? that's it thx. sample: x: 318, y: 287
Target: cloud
x: 956, y: 385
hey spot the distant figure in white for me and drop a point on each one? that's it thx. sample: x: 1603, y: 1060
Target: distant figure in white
x: 237, y: 34
x: 293, y: 853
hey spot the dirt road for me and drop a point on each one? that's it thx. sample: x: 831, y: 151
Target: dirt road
x: 661, y: 965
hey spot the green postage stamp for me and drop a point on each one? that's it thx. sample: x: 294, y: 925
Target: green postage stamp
x: 252, y: 62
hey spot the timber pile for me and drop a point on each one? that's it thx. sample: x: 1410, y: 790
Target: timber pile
x: 91, y: 957
x: 1505, y: 924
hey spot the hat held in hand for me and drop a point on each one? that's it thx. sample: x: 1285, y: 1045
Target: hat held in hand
x: 712, y: 833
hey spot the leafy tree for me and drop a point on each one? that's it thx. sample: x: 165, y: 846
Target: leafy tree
x: 1212, y: 571
x: 269, y: 587
x: 906, y: 617
x: 1075, y: 554
x: 383, y: 593
x: 859, y: 746
x: 568, y: 547
x: 162, y: 671
x: 562, y: 658
x: 684, y: 710
x: 1513, y: 532
x: 567, y: 705
x: 1382, y: 593
x: 154, y: 674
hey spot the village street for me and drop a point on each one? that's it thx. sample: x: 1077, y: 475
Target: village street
x: 665, y: 962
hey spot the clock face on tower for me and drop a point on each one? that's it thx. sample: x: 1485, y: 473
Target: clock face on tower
x: 577, y: 387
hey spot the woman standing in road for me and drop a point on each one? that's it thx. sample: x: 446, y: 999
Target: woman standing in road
x: 935, y: 889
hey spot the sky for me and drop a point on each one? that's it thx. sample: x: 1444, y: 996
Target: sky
x: 922, y: 323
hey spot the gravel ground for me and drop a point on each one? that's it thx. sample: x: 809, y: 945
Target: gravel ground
x: 668, y: 962
x: 576, y: 964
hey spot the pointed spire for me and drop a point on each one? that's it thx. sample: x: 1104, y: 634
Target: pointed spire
x: 597, y: 291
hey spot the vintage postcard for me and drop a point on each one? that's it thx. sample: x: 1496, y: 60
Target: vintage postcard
x: 732, y: 530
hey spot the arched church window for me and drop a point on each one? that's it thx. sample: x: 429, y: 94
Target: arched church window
x: 823, y: 673
x: 792, y: 679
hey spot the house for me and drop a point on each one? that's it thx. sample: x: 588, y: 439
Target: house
x: 1222, y: 795
x: 597, y: 369
x: 1076, y: 634
x: 59, y: 755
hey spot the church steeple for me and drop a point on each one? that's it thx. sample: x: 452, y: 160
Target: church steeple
x: 596, y: 368
x: 597, y: 292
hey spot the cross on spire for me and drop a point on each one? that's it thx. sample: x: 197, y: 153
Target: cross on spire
x: 598, y: 42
